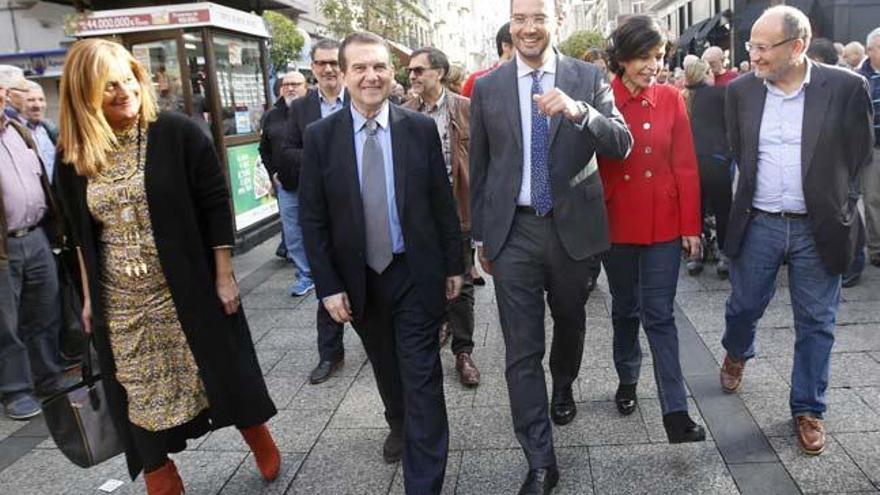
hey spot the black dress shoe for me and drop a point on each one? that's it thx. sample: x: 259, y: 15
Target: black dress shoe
x: 680, y: 428
x: 325, y: 370
x: 392, y: 449
x: 540, y: 481
x: 562, y: 407
x: 625, y: 399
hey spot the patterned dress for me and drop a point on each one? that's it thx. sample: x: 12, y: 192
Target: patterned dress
x: 153, y: 361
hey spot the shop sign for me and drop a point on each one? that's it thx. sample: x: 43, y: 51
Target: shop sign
x: 250, y: 185
x: 188, y: 15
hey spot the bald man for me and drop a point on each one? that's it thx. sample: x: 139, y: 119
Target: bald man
x: 714, y: 56
x: 854, y: 55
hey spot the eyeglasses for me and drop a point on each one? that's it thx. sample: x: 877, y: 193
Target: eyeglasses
x: 760, y: 48
x: 523, y: 20
x: 326, y: 63
x: 418, y: 71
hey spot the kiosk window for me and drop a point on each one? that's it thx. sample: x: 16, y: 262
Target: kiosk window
x: 240, y: 81
x: 160, y: 59
x: 198, y: 75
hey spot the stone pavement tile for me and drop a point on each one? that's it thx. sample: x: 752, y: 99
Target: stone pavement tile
x: 489, y: 427
x: 281, y: 318
x: 864, y: 449
x: 651, y: 469
x: 600, y: 384
x: 862, y: 292
x: 268, y: 298
x: 247, y: 479
x: 456, y: 394
x: 856, y: 338
x: 345, y: 461
x: 503, y: 471
x: 857, y: 312
x: 283, y: 389
x: 49, y: 472
x: 870, y: 396
x: 362, y: 406
x: 493, y: 389
x: 268, y: 358
x: 599, y: 423
x: 8, y: 426
x: 653, y: 418
x: 847, y: 412
x: 763, y: 478
x: 598, y: 305
x: 760, y: 375
x: 288, y: 338
x: 294, y: 430
x: 450, y: 479
x: 833, y: 471
x: 302, y: 361
x: 856, y: 369
x: 327, y: 395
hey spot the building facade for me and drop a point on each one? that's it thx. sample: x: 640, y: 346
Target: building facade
x: 465, y: 30
x: 601, y: 16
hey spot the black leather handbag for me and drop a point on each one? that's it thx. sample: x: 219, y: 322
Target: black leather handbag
x: 79, y: 421
x: 72, y: 337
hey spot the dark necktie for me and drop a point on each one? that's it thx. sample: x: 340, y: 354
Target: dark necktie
x: 542, y: 195
x: 375, y: 200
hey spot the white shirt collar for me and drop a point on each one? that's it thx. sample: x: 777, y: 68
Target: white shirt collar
x: 339, y: 98
x: 358, y: 120
x: 523, y: 69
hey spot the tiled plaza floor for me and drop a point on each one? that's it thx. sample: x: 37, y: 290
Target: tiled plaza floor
x: 331, y: 434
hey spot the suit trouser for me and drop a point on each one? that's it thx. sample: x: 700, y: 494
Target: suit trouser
x: 460, y: 311
x: 30, y: 316
x: 400, y: 338
x: 871, y: 197
x: 534, y: 261
x: 330, y: 333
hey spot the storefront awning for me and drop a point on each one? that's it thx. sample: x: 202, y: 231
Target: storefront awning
x: 188, y: 15
x: 702, y: 31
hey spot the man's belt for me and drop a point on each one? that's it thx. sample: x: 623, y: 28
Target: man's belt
x: 531, y: 211
x: 18, y: 233
x: 780, y: 214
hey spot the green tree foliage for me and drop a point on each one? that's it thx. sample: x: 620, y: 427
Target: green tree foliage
x: 286, y: 41
x: 581, y: 41
x: 383, y: 17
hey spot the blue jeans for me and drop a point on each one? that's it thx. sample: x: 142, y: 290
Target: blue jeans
x: 288, y: 203
x: 643, y: 281
x: 815, y: 293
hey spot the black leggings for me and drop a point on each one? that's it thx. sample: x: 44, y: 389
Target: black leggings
x: 716, y: 193
x: 154, y: 446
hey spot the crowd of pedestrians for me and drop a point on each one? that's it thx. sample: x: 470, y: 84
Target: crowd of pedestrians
x: 538, y: 171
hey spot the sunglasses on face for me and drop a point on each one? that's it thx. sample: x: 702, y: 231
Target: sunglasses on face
x: 418, y: 71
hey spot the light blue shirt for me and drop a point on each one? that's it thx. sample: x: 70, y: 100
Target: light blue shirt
x: 45, y: 147
x: 328, y: 108
x: 524, y: 84
x: 779, y: 184
x: 383, y: 133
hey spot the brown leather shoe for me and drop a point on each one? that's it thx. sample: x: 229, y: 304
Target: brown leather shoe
x: 731, y: 374
x: 810, y: 434
x: 445, y: 332
x: 468, y: 373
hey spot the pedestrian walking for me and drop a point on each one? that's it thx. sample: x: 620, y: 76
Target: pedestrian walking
x: 653, y: 201
x: 149, y: 214
x: 538, y: 216
x: 870, y: 69
x: 801, y: 136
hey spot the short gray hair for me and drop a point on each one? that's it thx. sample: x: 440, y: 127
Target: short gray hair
x: 873, y: 34
x: 10, y: 76
x: 795, y: 24
x: 32, y: 85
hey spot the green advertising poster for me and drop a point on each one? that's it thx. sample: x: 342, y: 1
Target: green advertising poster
x: 251, y: 185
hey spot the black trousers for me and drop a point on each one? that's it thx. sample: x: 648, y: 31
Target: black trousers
x: 330, y: 335
x: 460, y: 311
x: 153, y: 447
x: 400, y: 339
x: 534, y: 261
x: 716, y: 191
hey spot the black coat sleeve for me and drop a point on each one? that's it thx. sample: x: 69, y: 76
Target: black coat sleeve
x: 207, y: 186
x: 443, y: 206
x: 292, y: 150
x: 314, y: 219
x: 265, y: 149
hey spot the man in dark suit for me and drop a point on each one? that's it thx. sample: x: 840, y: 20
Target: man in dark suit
x: 538, y: 214
x: 801, y: 135
x: 383, y: 236
x: 328, y: 98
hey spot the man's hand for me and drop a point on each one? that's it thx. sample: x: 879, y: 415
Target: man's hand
x: 555, y: 101
x: 453, y: 287
x: 690, y: 244
x: 484, y: 261
x: 338, y: 307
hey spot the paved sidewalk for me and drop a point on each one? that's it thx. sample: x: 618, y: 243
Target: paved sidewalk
x: 331, y: 434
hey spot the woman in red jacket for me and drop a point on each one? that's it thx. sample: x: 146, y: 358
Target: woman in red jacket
x: 653, y: 201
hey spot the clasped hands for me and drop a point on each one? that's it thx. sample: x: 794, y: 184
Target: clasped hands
x: 339, y: 307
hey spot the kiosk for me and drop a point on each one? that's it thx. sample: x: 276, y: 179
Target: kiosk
x: 209, y: 62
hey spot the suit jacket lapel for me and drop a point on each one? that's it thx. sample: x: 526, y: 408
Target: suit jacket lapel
x: 567, y: 83
x: 399, y: 138
x: 816, y: 100
x: 349, y: 161
x: 509, y: 98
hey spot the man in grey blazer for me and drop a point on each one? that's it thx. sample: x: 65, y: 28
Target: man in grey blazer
x: 801, y: 134
x: 538, y: 214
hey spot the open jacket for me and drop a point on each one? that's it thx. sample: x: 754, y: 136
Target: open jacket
x: 459, y: 110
